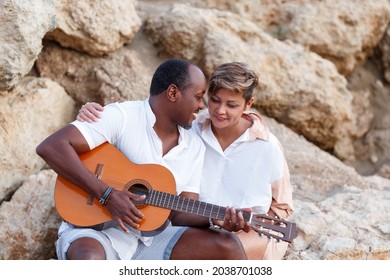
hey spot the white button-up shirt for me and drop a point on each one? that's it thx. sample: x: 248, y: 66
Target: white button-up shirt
x: 129, y: 127
x: 249, y: 172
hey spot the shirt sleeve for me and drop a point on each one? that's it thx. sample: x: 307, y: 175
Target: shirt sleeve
x: 106, y: 129
x: 196, y: 176
x: 282, y: 203
x: 195, y: 167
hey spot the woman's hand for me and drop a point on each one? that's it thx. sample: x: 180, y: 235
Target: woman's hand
x: 90, y: 112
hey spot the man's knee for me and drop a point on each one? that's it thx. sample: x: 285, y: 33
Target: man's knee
x: 229, y: 245
x: 86, y: 248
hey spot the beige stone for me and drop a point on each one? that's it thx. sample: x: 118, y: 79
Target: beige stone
x: 297, y: 87
x: 95, y: 27
x: 23, y: 24
x: 119, y: 76
x: 35, y: 108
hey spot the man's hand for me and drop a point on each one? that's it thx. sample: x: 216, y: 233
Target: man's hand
x: 234, y: 220
x: 123, y: 209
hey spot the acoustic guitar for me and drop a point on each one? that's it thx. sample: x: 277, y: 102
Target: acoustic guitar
x: 157, y: 183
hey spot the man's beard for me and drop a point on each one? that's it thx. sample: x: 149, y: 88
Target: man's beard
x: 187, y: 126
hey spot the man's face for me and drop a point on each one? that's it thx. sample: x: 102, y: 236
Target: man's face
x: 192, y: 98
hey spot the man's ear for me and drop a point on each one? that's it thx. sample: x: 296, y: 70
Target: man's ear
x: 173, y: 92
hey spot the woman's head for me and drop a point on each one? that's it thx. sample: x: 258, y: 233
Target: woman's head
x: 237, y: 77
x: 230, y: 94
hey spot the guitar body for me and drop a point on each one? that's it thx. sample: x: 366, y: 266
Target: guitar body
x: 77, y: 207
x: 157, y: 183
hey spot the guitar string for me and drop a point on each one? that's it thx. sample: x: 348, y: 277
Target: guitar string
x: 188, y: 205
x: 155, y: 200
x: 158, y: 198
x: 116, y: 183
x: 161, y: 199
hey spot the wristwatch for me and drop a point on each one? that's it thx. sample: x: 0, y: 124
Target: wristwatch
x: 212, y: 225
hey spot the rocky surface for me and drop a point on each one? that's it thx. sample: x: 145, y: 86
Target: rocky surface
x: 324, y: 91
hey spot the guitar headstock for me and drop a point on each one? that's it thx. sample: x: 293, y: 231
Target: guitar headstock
x: 273, y: 227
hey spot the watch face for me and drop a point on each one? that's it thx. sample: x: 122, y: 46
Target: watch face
x: 212, y: 225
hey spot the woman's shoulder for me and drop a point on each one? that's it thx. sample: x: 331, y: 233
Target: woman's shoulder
x: 259, y: 128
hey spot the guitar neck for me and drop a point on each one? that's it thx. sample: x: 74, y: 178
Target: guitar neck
x: 191, y: 206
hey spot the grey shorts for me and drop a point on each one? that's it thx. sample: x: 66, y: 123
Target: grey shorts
x: 162, y: 245
x: 160, y: 249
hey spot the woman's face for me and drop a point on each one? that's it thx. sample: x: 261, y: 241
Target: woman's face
x: 226, y: 107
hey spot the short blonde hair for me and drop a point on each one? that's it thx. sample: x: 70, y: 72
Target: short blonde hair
x: 235, y: 76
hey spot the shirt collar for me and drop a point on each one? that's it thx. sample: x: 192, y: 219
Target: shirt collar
x: 149, y: 113
x: 151, y: 119
x: 259, y: 129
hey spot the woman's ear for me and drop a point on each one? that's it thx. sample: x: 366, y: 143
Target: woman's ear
x: 172, y: 92
x: 249, y: 103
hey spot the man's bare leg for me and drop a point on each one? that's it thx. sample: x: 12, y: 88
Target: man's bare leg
x: 206, y: 244
x: 86, y: 248
x: 254, y: 245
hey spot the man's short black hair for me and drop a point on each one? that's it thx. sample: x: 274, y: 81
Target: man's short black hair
x: 172, y: 71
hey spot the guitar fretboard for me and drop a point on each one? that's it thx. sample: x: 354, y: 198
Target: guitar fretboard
x: 192, y: 206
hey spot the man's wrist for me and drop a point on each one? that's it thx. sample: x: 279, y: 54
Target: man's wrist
x: 106, y: 195
x: 212, y: 225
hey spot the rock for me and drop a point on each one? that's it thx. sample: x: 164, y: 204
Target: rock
x: 297, y: 87
x: 30, y: 112
x: 29, y: 222
x: 23, y: 24
x: 116, y: 77
x: 345, y: 33
x: 95, y: 27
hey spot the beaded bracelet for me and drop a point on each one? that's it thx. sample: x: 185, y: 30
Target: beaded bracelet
x: 103, y: 200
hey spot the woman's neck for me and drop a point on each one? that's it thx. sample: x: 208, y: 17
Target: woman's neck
x: 227, y: 135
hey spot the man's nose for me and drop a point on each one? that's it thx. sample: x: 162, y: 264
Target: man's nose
x: 201, y: 104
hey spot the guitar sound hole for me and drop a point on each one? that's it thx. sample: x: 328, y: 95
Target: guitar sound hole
x: 139, y: 189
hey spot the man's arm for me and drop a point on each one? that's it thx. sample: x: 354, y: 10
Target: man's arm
x: 61, y: 149
x: 185, y: 219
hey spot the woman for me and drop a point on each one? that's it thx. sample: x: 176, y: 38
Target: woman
x: 244, y: 162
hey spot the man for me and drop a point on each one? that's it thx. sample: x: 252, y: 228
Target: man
x: 150, y: 131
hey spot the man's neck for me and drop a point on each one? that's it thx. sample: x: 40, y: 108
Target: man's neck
x: 165, y: 129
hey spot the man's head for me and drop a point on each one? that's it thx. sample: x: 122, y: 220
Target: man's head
x: 172, y: 71
x: 182, y: 85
